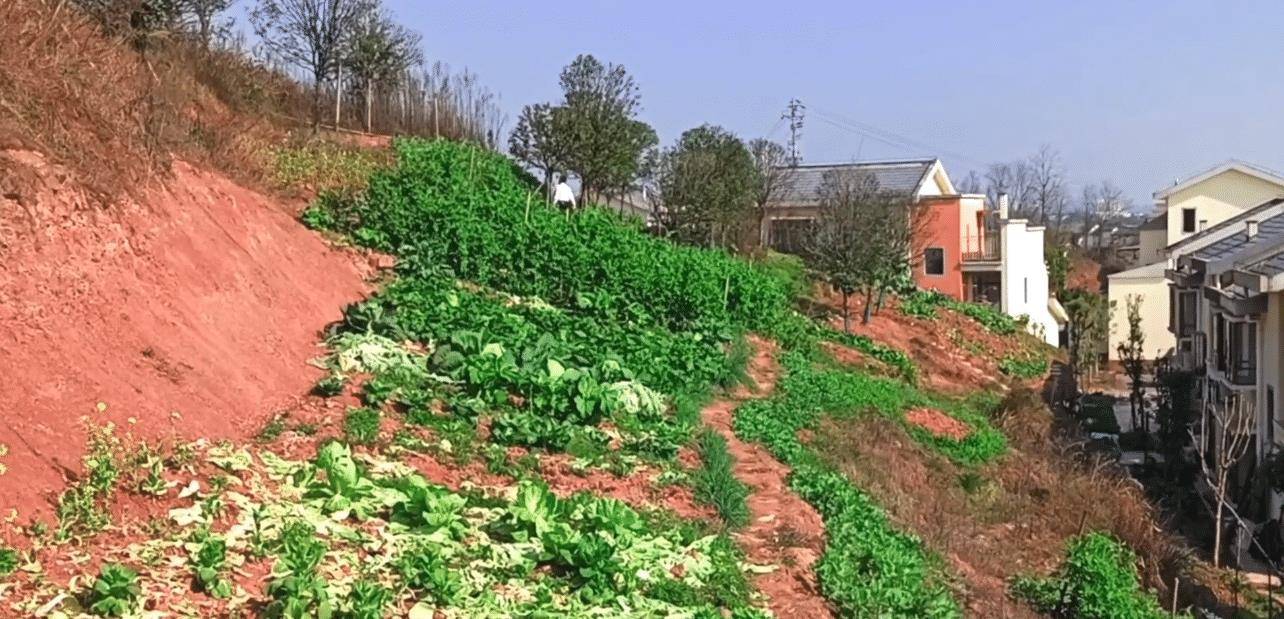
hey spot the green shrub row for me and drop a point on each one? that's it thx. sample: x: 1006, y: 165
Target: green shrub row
x: 898, y: 360
x: 868, y: 569
x: 716, y: 483
x: 923, y: 304
x: 1098, y: 580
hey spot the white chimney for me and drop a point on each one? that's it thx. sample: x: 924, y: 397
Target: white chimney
x: 1003, y: 206
x: 1250, y: 227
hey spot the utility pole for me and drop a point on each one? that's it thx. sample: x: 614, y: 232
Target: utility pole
x: 795, y: 118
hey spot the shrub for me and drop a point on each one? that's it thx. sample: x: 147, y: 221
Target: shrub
x: 1024, y: 367
x: 716, y: 483
x: 361, y: 425
x: 8, y: 561
x: 1098, y: 580
x: 1097, y: 412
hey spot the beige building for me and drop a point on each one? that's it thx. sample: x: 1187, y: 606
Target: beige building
x: 1183, y: 210
x: 1228, y: 318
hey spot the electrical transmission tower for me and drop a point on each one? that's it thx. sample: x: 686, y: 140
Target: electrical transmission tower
x: 795, y: 118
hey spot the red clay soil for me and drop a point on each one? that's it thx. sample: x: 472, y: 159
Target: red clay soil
x: 938, y: 423
x: 636, y: 489
x: 783, y: 530
x: 192, y: 311
x: 954, y: 354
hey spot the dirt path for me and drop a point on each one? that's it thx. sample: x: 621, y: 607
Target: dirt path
x: 783, y: 530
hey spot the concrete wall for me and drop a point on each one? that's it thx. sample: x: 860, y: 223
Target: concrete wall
x: 1025, y: 277
x: 1154, y: 313
x: 1217, y: 199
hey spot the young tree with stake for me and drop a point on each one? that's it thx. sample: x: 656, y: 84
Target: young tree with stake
x: 1227, y: 435
x: 378, y: 53
x: 1131, y: 356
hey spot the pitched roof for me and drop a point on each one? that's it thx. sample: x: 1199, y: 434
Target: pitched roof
x: 1149, y: 271
x: 1253, y: 213
x: 905, y: 176
x: 1230, y: 164
x: 1270, y: 232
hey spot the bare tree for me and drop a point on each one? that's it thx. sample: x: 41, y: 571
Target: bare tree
x: 774, y: 180
x: 1224, y: 444
x: 971, y: 183
x: 1013, y: 179
x: 1047, y: 191
x: 201, y: 18
x: 378, y: 53
x: 1103, y: 205
x: 310, y: 35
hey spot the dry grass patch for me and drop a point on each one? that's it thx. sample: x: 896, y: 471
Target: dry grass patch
x: 1014, y: 515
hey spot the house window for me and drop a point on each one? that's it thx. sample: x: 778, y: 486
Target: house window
x: 1188, y: 220
x: 1242, y: 356
x: 934, y: 261
x: 1186, y: 313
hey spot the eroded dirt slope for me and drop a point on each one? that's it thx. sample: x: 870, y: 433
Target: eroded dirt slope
x: 191, y: 311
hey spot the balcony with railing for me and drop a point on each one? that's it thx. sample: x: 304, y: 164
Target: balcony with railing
x: 982, y: 248
x: 1235, y: 353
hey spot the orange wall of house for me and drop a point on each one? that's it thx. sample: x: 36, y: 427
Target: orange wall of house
x: 943, y: 230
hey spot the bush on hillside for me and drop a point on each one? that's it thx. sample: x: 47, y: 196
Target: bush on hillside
x: 1097, y: 581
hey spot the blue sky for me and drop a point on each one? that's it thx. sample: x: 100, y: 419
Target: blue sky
x: 1136, y: 92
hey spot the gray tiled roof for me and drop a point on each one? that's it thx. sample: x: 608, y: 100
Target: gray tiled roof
x: 1271, y: 266
x: 899, y: 176
x: 1270, y: 231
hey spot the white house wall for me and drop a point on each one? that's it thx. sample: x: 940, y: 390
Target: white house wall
x: 1025, y: 278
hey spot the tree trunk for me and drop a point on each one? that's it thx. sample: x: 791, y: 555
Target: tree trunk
x: 369, y: 105
x: 762, y: 228
x: 1217, y: 523
x: 869, y: 305
x: 338, y: 96
x: 316, y: 104
x: 882, y: 293
x: 847, y: 314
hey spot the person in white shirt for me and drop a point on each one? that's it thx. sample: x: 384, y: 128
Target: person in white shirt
x: 563, y: 197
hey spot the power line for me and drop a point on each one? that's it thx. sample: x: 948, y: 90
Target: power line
x: 774, y: 128
x: 890, y: 137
